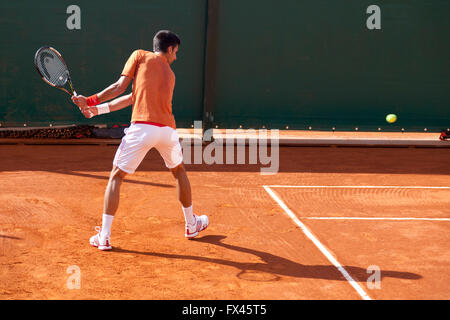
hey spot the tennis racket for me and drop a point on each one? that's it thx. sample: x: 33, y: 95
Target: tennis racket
x: 51, y: 67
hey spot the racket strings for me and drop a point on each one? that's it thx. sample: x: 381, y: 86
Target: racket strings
x: 52, y: 67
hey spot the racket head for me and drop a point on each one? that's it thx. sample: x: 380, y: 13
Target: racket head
x: 52, y: 68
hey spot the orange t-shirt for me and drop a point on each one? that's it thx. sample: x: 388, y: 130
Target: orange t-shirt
x: 153, y: 84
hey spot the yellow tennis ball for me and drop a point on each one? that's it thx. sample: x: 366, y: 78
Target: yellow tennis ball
x: 391, y: 118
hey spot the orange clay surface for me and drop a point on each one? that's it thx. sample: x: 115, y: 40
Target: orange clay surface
x: 51, y: 199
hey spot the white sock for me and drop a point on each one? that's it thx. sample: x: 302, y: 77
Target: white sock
x: 106, y: 224
x: 189, y: 215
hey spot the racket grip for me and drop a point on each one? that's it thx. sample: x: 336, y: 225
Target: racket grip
x: 74, y: 93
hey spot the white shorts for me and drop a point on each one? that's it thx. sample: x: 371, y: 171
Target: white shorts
x: 140, y: 138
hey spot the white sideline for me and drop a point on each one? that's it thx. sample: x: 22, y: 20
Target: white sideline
x: 319, y: 245
x: 375, y: 218
x: 358, y: 187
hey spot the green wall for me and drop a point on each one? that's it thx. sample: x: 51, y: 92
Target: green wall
x: 315, y: 63
x: 295, y: 63
x: 96, y: 54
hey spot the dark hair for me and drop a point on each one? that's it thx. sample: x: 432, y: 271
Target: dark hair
x: 164, y: 39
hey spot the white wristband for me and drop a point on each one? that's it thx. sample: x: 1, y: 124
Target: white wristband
x: 103, y: 108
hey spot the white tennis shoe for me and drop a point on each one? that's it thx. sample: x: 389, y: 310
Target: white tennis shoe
x: 99, y: 241
x: 201, y: 223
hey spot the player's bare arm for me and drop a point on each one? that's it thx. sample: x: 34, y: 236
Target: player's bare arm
x: 111, y: 92
x: 115, y: 105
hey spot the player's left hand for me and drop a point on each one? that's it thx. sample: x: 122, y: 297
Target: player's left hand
x: 80, y: 101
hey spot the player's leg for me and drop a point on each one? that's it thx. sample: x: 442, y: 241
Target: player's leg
x: 111, y: 202
x: 170, y: 149
x: 112, y: 193
x: 183, y: 185
x: 137, y: 141
x: 194, y: 223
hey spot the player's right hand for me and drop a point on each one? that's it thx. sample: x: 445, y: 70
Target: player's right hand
x: 89, y: 112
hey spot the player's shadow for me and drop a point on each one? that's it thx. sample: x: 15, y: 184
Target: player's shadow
x: 273, y: 266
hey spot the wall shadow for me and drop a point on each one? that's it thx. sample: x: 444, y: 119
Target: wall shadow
x: 71, y: 158
x: 126, y: 180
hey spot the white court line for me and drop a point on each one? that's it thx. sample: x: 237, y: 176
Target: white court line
x: 367, y: 187
x: 375, y: 218
x: 359, y: 187
x: 319, y: 245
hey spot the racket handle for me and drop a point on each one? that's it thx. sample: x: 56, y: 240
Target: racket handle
x: 74, y: 93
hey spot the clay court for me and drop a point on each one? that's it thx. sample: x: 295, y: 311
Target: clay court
x: 309, y: 232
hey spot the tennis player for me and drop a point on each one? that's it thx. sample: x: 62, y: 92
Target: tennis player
x: 152, y: 126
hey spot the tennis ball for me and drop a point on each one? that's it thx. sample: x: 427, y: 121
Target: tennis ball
x: 391, y: 118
